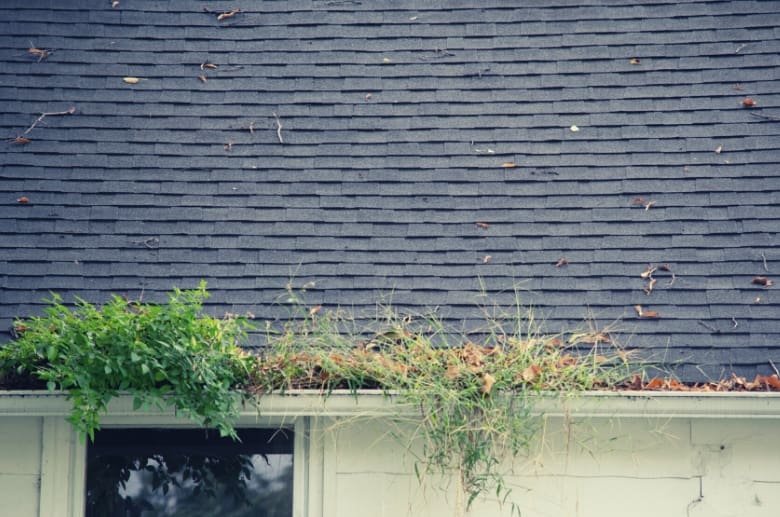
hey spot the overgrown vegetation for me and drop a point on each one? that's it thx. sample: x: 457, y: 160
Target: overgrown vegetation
x: 474, y: 395
x: 163, y: 355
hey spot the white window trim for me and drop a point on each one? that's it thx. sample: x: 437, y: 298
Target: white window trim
x: 312, y: 415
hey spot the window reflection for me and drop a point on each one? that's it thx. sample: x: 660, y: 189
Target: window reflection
x: 173, y: 473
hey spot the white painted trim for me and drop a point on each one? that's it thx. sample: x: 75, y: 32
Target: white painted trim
x: 301, y: 469
x: 275, y: 409
x: 63, y: 459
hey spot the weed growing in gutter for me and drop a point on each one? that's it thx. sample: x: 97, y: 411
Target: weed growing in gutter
x: 474, y: 396
x: 163, y: 355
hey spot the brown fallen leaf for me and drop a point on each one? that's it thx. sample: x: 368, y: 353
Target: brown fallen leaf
x: 648, y: 205
x: 770, y: 381
x: 561, y: 262
x: 509, y: 165
x: 482, y: 225
x: 638, y: 201
x: 748, y: 102
x: 23, y: 200
x: 203, y: 78
x: 204, y: 66
x: 315, y: 310
x: 530, y: 373
x: 718, y: 149
x: 650, y: 285
x: 649, y: 271
x: 227, y: 14
x: 40, y: 53
x: 762, y: 280
x: 594, y: 339
x: 634, y: 61
x: 453, y: 372
x: 228, y: 146
x: 635, y: 383
x: 486, y: 259
x: 20, y: 140
x: 654, y: 384
x: 368, y: 97
x: 131, y: 80
x: 645, y: 314
x: 487, y: 383
x: 567, y: 360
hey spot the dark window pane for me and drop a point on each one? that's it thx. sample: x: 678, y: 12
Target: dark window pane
x: 192, y: 472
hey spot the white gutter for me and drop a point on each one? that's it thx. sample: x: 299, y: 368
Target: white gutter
x: 370, y: 403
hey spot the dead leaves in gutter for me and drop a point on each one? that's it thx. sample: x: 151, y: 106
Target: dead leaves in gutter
x: 735, y: 383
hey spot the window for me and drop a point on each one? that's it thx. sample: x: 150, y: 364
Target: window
x: 189, y: 472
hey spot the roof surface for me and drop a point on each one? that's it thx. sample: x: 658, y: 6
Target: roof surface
x: 397, y: 120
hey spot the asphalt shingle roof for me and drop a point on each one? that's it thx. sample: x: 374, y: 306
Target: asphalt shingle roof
x: 396, y: 120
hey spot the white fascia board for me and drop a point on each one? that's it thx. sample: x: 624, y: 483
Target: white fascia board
x: 370, y: 403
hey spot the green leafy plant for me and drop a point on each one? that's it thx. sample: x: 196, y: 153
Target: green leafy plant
x: 162, y: 354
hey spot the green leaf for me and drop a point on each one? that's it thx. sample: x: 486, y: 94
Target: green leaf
x: 51, y: 386
x: 145, y: 368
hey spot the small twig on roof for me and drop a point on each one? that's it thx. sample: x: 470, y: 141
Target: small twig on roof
x: 764, y: 259
x: 278, y: 128
x: 765, y: 117
x: 437, y: 53
x: 734, y: 321
x: 709, y: 327
x: 774, y: 368
x: 70, y: 111
x: 150, y: 243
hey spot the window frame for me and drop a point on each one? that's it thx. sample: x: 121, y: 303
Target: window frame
x: 64, y: 457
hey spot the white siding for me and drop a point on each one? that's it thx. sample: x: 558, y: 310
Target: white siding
x: 595, y: 468
x: 20, y: 465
